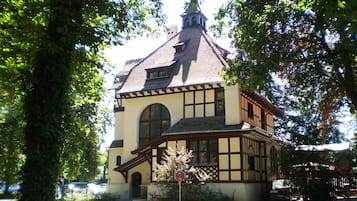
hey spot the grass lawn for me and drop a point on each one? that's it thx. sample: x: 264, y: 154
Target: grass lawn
x: 8, y: 196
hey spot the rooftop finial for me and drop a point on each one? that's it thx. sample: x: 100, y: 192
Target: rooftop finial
x: 193, y: 5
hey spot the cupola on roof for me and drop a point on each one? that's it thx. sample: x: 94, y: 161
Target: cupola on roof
x: 193, y: 16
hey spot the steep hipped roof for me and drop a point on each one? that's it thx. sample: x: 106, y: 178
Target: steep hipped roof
x: 200, y: 62
x: 124, y: 72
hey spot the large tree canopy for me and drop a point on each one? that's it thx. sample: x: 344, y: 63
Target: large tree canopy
x: 303, y: 54
x: 50, y: 54
x: 312, y: 45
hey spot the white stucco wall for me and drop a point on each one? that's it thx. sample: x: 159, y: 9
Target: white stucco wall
x: 133, y: 109
x: 232, y: 105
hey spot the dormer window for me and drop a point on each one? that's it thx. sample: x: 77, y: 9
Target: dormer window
x: 156, y: 74
x: 159, y: 71
x: 180, y: 46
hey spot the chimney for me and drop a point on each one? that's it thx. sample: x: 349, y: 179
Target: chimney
x: 171, y: 31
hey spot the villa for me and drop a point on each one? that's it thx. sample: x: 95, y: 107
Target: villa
x: 176, y: 96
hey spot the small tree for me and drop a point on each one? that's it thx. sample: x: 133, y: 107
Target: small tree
x: 178, y: 159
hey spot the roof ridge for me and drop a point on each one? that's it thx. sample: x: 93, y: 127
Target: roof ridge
x: 213, y: 44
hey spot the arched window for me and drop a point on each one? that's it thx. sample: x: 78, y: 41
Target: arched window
x: 118, y: 161
x: 154, y: 120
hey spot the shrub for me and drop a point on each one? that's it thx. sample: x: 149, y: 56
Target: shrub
x: 190, y: 192
x: 106, y: 197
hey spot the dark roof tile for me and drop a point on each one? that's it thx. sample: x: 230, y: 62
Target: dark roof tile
x: 200, y: 62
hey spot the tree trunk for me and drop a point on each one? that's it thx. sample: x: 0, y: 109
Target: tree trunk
x: 47, y: 100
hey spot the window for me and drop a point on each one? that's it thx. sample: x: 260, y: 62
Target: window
x: 204, y: 103
x: 251, y: 160
x: 186, y: 22
x: 154, y: 120
x: 157, y: 74
x: 219, y: 96
x: 250, y: 110
x: 160, y: 154
x: 194, y: 20
x: 264, y: 119
x: 204, y: 151
x: 163, y: 73
x: 273, y: 161
x: 118, y: 161
x: 251, y: 163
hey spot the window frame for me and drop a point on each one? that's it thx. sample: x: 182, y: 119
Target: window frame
x: 211, y: 151
x: 118, y: 160
x: 148, y: 119
x: 263, y: 117
x: 250, y: 110
x: 219, y: 100
x: 215, y: 103
x: 157, y: 74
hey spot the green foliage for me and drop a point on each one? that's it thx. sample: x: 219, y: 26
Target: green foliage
x: 310, y: 45
x: 190, y: 192
x: 303, y: 56
x: 303, y: 122
x: 106, y: 197
x: 79, y: 157
x: 310, y: 170
x: 49, y: 64
x: 11, y: 140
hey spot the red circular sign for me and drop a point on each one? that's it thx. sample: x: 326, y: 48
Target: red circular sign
x: 180, y: 176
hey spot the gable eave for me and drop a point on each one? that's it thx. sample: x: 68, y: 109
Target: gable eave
x: 169, y: 90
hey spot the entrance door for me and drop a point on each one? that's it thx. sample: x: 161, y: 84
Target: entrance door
x: 136, y: 185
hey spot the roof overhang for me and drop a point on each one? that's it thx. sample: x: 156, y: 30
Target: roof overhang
x: 264, y: 102
x: 143, y: 153
x: 169, y: 90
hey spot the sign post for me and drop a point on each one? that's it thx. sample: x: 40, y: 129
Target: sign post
x: 180, y: 177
